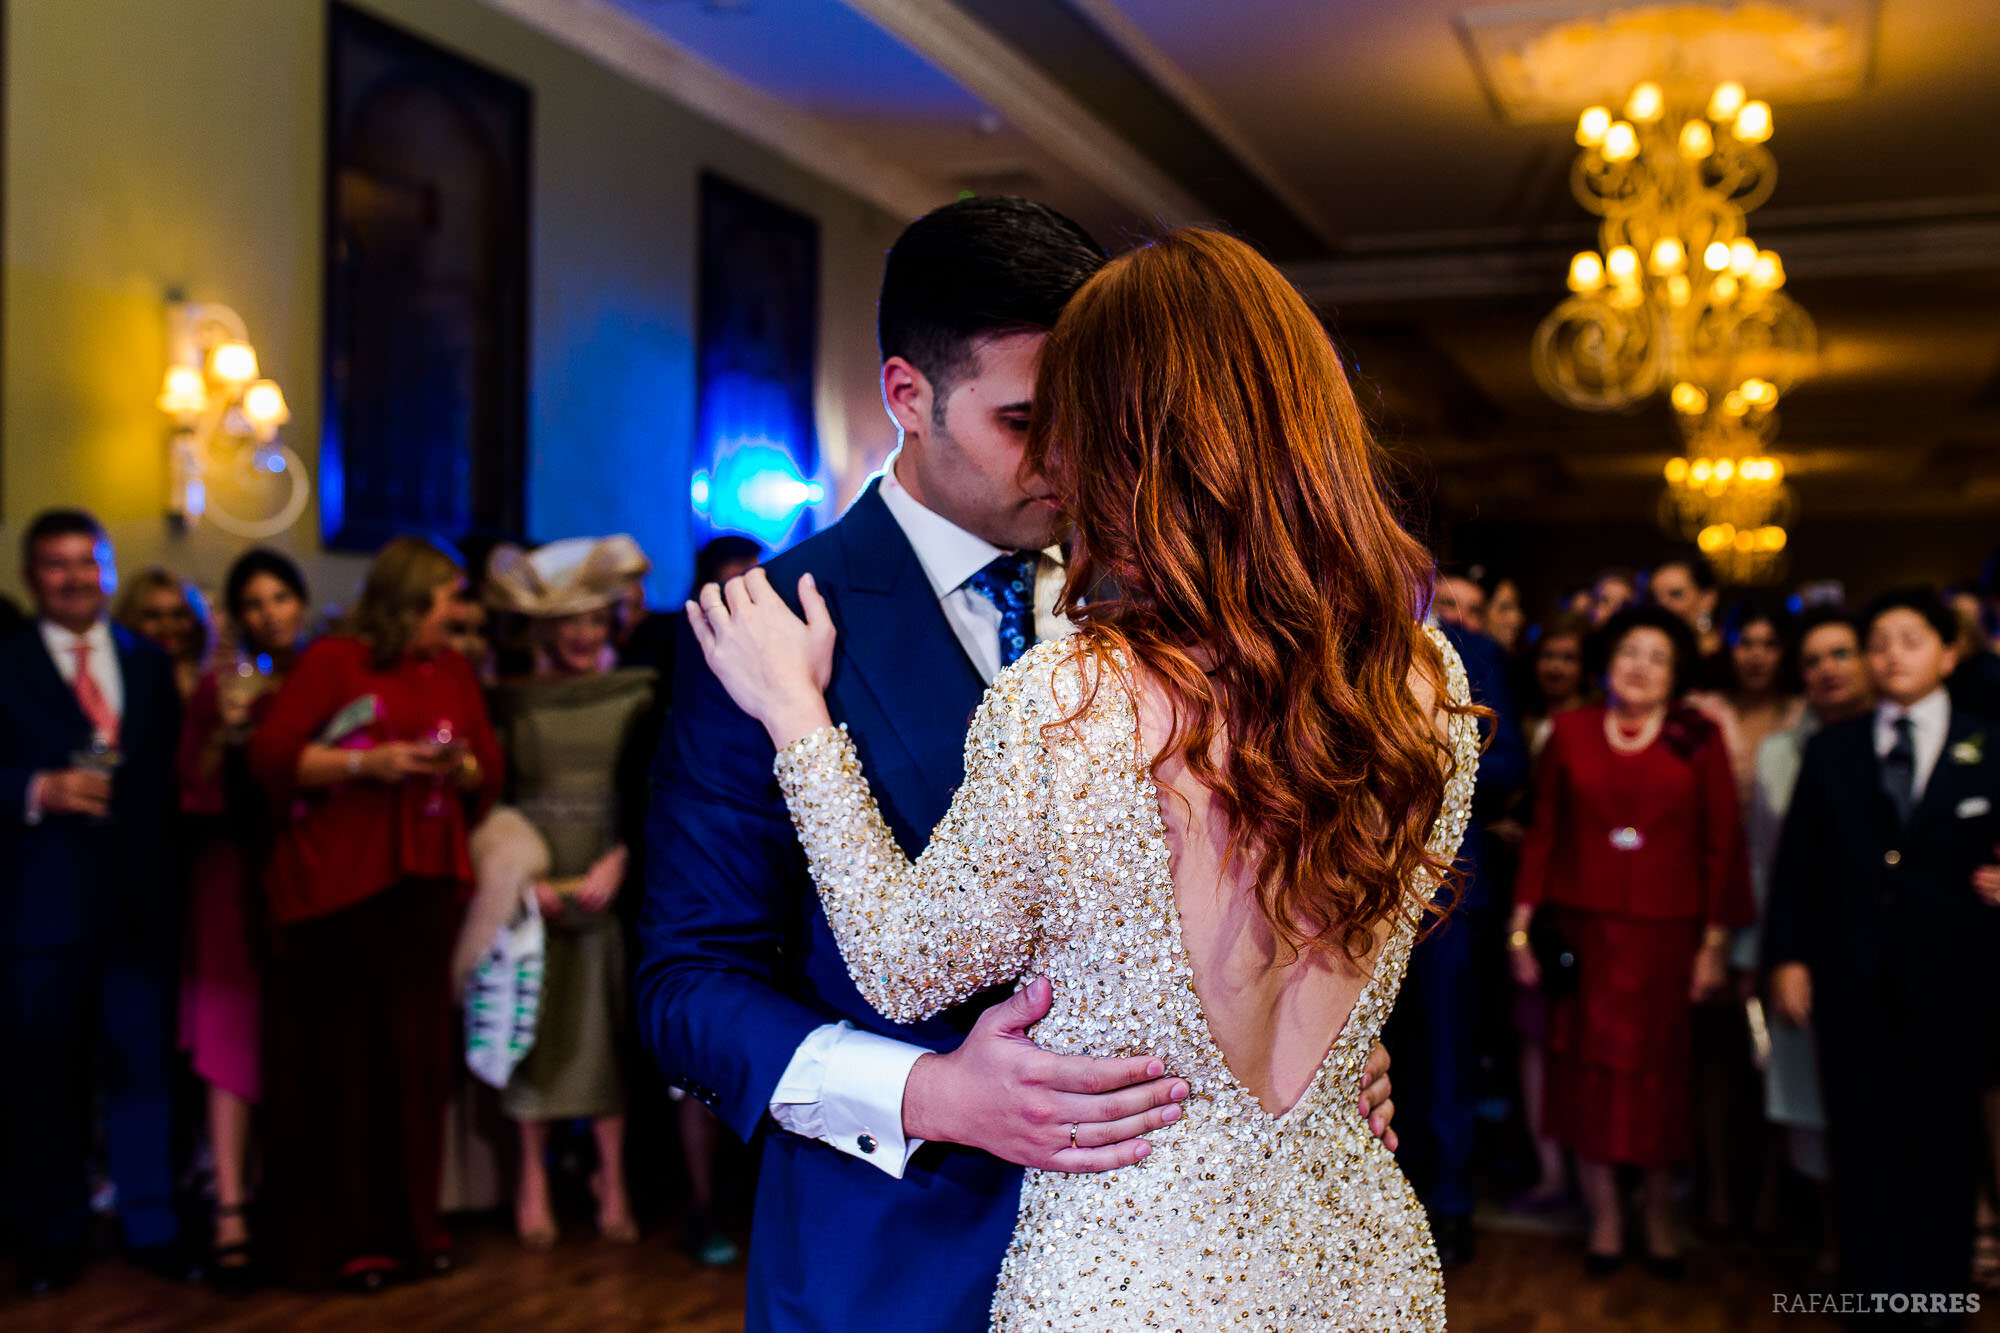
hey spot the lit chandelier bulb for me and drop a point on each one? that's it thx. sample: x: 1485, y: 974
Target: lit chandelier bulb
x: 1716, y: 257
x: 1621, y: 142
x: 1697, y: 140
x: 1669, y: 256
x: 1753, y: 122
x: 1690, y: 400
x: 1646, y: 103
x: 1591, y: 125
x: 1623, y: 264
x: 1742, y: 255
x: 1723, y: 288
x: 1767, y: 273
x: 1726, y: 101
x: 1677, y: 471
x: 1586, y: 272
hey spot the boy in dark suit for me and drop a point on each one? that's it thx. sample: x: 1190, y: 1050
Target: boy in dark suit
x: 89, y: 722
x: 1877, y: 933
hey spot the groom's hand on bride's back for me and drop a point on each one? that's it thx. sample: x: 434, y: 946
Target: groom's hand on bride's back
x: 1003, y: 1094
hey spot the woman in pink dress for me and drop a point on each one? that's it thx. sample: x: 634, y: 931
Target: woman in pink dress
x: 221, y: 987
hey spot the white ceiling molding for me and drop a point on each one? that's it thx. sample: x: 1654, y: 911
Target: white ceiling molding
x: 646, y: 56
x: 1176, y: 83
x: 1015, y: 88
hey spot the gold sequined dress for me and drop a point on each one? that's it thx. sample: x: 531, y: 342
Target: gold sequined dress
x: 1053, y: 861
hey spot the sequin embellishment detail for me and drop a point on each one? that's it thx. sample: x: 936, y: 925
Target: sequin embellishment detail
x: 1052, y: 862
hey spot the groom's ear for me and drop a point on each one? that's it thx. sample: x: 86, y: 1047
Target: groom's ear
x: 907, y: 394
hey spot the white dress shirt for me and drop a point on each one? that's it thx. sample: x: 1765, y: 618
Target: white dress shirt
x: 844, y: 1086
x: 61, y: 644
x: 1930, y: 719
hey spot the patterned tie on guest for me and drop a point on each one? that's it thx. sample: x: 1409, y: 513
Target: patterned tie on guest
x: 1009, y: 583
x: 1899, y: 770
x: 97, y: 709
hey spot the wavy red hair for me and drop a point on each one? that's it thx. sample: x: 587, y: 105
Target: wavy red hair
x: 1228, y: 512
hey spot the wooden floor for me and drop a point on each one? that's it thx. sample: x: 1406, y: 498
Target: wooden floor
x: 1520, y: 1283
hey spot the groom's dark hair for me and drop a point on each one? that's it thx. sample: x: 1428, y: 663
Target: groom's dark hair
x: 979, y: 268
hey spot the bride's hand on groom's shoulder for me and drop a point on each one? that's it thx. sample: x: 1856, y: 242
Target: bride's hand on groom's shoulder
x: 774, y: 664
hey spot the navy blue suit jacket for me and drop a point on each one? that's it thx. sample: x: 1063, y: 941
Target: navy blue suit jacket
x: 737, y: 964
x: 1882, y: 911
x: 69, y: 881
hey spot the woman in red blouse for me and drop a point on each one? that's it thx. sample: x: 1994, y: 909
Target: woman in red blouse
x: 1637, y: 848
x: 378, y: 754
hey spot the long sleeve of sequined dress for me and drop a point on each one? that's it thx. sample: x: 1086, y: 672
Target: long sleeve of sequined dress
x: 920, y: 936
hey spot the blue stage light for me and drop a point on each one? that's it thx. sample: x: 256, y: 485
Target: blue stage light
x: 755, y: 489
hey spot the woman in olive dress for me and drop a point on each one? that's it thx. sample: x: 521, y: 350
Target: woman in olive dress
x: 563, y: 729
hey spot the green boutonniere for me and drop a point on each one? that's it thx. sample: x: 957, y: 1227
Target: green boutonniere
x: 1970, y: 750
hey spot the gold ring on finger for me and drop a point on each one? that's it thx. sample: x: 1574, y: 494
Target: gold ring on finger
x: 1072, y: 1134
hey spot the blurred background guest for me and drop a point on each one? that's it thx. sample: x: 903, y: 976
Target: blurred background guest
x: 90, y: 910
x: 1459, y: 601
x: 1506, y: 619
x: 1975, y: 681
x: 1555, y: 685
x: 1757, y: 700
x: 1685, y: 584
x: 158, y: 604
x: 1837, y: 688
x: 1611, y: 591
x: 1759, y: 696
x: 1437, y: 1022
x: 649, y: 639
x: 701, y: 1141
x: 1877, y: 935
x: 1555, y: 677
x: 1637, y: 851
x: 565, y: 730
x: 227, y: 827
x: 378, y: 749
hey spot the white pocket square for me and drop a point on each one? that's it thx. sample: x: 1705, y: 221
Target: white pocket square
x: 1972, y: 807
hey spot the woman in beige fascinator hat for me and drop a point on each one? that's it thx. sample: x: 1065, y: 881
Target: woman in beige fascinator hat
x: 565, y: 729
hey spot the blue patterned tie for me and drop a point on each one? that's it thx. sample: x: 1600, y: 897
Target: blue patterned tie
x: 1009, y: 583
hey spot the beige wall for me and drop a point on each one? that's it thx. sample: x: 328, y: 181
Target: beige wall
x: 153, y: 146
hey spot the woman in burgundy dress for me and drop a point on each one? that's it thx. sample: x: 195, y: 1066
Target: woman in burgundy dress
x: 228, y: 831
x: 378, y: 752
x: 1637, y: 848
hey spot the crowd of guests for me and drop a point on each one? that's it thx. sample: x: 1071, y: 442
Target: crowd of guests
x: 255, y: 869
x: 1730, y: 871
x: 1753, y: 872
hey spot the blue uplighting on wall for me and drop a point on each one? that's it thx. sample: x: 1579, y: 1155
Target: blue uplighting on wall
x: 755, y: 489
x: 749, y: 476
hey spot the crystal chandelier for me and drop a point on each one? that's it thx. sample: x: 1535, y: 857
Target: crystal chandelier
x: 1679, y: 299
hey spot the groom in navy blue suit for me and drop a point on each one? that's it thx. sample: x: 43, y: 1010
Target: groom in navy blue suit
x: 890, y: 1158
x: 89, y: 910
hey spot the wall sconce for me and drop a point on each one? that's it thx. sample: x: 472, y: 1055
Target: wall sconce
x: 228, y: 419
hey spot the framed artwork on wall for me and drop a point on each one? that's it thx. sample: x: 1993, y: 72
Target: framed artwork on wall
x: 756, y: 456
x: 426, y: 338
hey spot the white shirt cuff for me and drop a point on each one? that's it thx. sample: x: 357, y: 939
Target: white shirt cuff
x: 844, y: 1087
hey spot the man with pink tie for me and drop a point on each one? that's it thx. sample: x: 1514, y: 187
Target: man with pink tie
x: 89, y: 911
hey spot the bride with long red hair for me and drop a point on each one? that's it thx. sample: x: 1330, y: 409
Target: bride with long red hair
x: 1216, y: 817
